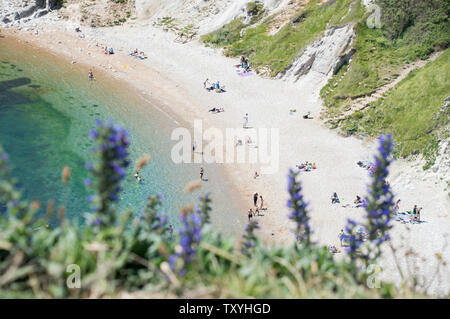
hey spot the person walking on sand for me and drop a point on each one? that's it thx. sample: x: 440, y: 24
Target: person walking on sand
x: 255, y: 175
x: 201, y: 173
x: 255, y: 199
x: 341, y: 236
x: 244, y: 125
x: 262, y: 202
x: 250, y: 214
x: 397, y: 206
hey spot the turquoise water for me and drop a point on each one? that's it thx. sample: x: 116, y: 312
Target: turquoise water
x: 47, y: 107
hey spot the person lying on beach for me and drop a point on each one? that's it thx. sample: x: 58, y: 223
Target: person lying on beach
x: 217, y: 110
x: 307, y: 116
x: 357, y: 200
x: 332, y: 249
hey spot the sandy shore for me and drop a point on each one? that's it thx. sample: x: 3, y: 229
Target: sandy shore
x: 172, y: 78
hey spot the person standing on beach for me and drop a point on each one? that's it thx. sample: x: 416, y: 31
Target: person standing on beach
x: 397, y: 206
x: 341, y: 236
x: 244, y: 125
x: 255, y: 199
x: 262, y: 202
x: 250, y: 214
x: 91, y: 75
x: 201, y: 173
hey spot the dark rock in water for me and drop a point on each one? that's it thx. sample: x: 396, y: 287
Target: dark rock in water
x: 6, y: 85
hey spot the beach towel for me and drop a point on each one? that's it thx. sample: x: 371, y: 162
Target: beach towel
x: 245, y: 74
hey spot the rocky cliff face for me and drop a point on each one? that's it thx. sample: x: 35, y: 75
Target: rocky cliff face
x: 325, y: 56
x: 207, y: 15
x: 14, y: 11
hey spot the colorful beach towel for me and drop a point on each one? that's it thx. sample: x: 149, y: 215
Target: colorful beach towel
x: 243, y: 74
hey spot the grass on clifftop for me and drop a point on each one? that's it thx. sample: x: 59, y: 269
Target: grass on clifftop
x: 411, y: 111
x: 381, y: 53
x: 411, y: 30
x: 277, y: 51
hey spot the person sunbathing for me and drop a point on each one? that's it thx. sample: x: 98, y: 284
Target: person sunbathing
x: 217, y: 110
x: 332, y: 249
x: 307, y: 116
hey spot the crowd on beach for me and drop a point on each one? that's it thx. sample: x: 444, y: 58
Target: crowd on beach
x: 138, y: 54
x: 413, y: 216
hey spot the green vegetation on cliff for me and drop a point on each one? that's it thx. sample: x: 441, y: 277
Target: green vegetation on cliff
x: 382, y: 53
x: 277, y: 51
x: 411, y: 111
x: 411, y: 30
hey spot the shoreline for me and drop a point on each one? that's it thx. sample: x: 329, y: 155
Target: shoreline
x: 120, y: 88
x: 172, y: 76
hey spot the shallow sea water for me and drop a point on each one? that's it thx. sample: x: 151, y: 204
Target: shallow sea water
x: 47, y: 107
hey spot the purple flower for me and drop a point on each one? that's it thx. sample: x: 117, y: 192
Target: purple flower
x: 249, y: 238
x: 298, y: 209
x: 190, y: 237
x: 111, y: 149
x: 379, y: 206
